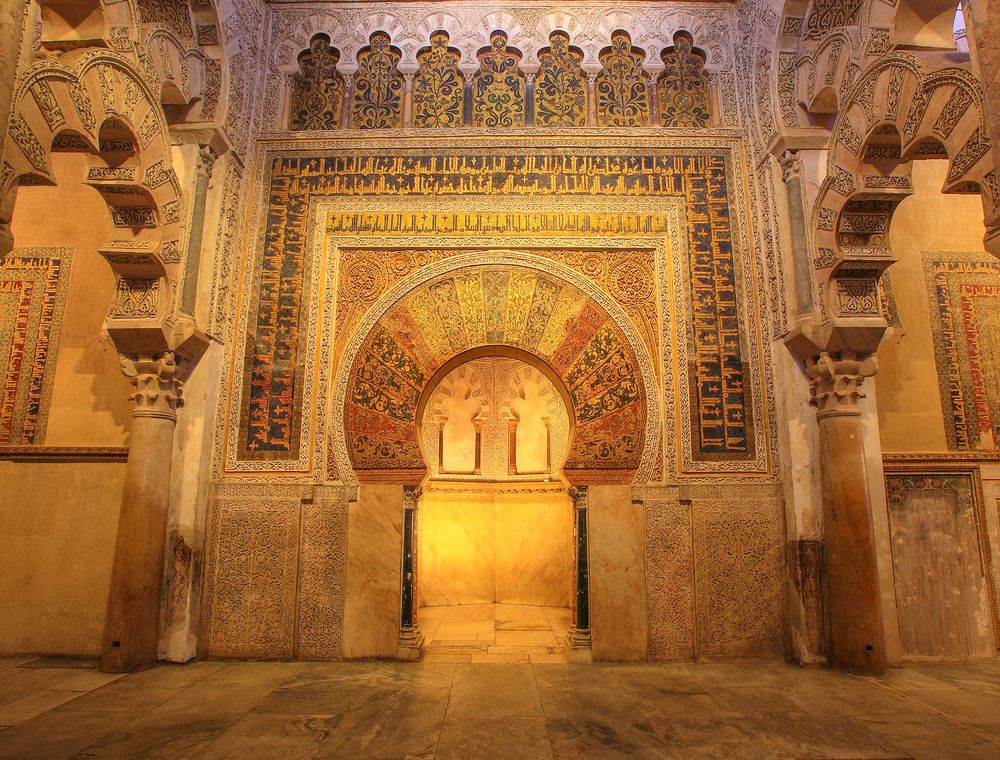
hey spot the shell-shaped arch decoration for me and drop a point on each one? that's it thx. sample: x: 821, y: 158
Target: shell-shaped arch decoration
x: 559, y: 21
x: 286, y: 51
x: 440, y: 21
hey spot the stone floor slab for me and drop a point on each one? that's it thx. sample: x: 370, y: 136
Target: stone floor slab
x: 212, y: 710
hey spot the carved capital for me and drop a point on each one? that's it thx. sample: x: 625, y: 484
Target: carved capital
x: 411, y: 495
x: 206, y: 161
x: 579, y: 496
x: 835, y: 381
x: 156, y: 379
x: 791, y: 166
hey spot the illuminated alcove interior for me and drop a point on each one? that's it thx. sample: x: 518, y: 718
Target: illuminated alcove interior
x: 495, y: 520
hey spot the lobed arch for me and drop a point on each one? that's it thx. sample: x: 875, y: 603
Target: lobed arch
x: 895, y: 113
x: 704, y: 36
x: 95, y: 103
x: 189, y: 80
x: 615, y: 423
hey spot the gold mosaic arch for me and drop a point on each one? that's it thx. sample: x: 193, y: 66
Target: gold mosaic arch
x: 508, y: 303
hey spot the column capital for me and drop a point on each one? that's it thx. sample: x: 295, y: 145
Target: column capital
x: 791, y: 166
x: 579, y: 496
x: 157, y: 383
x: 835, y: 380
x: 206, y: 161
x: 411, y: 495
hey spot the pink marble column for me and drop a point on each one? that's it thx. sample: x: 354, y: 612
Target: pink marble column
x: 131, y: 629
x: 857, y: 634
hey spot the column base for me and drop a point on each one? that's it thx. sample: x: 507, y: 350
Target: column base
x: 578, y: 640
x: 410, y: 647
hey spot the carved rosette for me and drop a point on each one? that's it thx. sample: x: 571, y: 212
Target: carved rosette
x: 835, y: 380
x: 157, y: 384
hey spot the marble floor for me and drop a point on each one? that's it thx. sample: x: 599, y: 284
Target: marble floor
x: 498, y: 633
x: 56, y: 709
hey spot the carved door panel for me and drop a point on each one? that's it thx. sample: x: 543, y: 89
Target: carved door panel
x: 943, y: 590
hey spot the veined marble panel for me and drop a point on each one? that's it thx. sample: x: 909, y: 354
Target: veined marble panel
x: 482, y: 543
x: 618, y: 617
x: 374, y: 551
x: 534, y: 556
x: 457, y: 554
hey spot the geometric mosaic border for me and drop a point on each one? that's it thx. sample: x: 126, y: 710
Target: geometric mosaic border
x: 964, y: 296
x: 33, y: 288
x: 323, y: 272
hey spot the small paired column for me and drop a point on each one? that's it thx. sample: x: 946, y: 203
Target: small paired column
x: 411, y: 640
x: 131, y: 629
x: 203, y: 174
x: 592, y: 99
x: 529, y: 99
x: 654, y: 103
x: 408, y: 77
x: 579, y: 633
x: 791, y: 167
x: 345, y: 116
x: 857, y: 633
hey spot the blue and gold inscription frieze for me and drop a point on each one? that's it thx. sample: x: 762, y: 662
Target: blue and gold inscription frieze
x: 712, y: 381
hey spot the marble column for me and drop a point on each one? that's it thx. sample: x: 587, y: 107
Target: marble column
x: 591, y: 99
x: 408, y: 99
x: 203, y: 174
x: 131, y: 629
x: 857, y: 631
x: 791, y: 167
x: 579, y: 633
x: 411, y: 640
x: 654, y: 103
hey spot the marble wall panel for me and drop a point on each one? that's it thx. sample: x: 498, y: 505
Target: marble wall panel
x: 251, y: 574
x: 739, y: 573
x: 670, y: 580
x: 457, y: 550
x: 58, y: 527
x: 617, y: 575
x: 495, y: 545
x: 941, y: 571
x: 533, y: 548
x: 374, y: 553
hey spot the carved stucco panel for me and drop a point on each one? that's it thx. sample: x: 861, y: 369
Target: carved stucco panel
x: 670, y: 581
x: 322, y: 576
x: 251, y: 571
x: 739, y: 567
